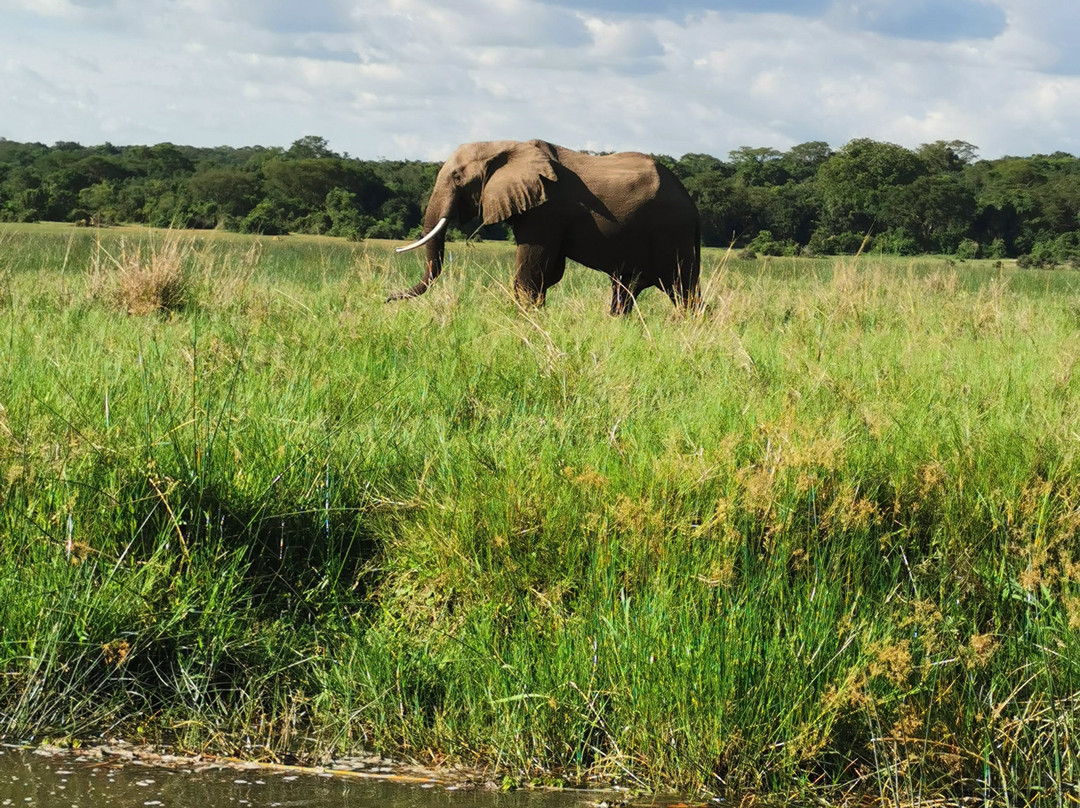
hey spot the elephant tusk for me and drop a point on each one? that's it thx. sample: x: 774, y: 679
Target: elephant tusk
x: 434, y: 232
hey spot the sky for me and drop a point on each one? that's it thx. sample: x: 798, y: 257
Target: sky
x: 411, y: 79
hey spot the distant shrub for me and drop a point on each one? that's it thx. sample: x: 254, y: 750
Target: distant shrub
x: 765, y: 244
x: 1063, y: 249
x: 895, y: 242
x: 317, y: 223
x: 997, y: 249
x: 166, y: 211
x: 746, y: 254
x: 346, y: 220
x: 818, y: 244
x: 386, y: 228
x: 846, y: 243
x: 264, y: 219
x: 1040, y: 257
x: 968, y: 248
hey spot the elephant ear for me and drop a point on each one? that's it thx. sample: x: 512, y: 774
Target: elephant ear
x: 514, y: 183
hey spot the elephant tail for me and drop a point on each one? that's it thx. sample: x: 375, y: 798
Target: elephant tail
x: 696, y: 295
x: 697, y: 247
x: 693, y: 292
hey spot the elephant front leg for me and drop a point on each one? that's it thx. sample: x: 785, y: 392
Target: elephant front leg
x: 624, y: 292
x: 538, y: 269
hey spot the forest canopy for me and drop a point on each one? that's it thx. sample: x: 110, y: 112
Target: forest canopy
x: 811, y: 199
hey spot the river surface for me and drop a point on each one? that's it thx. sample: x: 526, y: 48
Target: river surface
x: 94, y: 780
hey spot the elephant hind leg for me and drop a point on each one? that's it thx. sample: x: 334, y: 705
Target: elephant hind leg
x: 684, y: 295
x: 684, y: 287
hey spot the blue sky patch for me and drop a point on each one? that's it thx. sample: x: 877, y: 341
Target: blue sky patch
x: 800, y: 8
x: 939, y: 21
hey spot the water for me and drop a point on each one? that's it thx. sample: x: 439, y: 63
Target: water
x: 91, y: 780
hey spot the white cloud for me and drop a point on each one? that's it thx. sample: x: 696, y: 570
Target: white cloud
x: 487, y: 23
x: 629, y: 46
x: 1042, y: 34
x: 411, y: 78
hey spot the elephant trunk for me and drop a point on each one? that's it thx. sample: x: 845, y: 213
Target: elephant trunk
x: 439, y: 212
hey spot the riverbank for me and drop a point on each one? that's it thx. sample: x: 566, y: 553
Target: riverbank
x: 820, y: 540
x: 123, y: 774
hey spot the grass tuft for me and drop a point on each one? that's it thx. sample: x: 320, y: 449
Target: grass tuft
x: 154, y: 283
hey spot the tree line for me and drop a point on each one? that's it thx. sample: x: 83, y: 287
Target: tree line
x: 811, y: 199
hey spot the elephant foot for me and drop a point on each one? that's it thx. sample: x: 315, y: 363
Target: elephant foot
x: 529, y: 298
x: 526, y: 294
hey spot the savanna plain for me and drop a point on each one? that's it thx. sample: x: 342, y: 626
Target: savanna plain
x: 819, y: 541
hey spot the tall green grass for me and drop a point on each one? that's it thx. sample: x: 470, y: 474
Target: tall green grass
x: 821, y: 539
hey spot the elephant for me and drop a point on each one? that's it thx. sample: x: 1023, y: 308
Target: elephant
x: 623, y: 214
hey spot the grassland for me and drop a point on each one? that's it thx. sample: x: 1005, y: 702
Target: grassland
x: 822, y: 540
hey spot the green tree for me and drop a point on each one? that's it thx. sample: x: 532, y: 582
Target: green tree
x: 310, y: 147
x: 856, y: 183
x: 163, y: 161
x: 696, y: 165
x: 758, y: 166
x: 230, y: 191
x: 101, y: 201
x: 345, y: 216
x: 947, y: 156
x: 936, y: 211
x: 791, y: 211
x: 265, y: 219
x: 730, y: 211
x: 802, y: 162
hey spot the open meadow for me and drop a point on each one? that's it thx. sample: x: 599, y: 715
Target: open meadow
x: 821, y: 540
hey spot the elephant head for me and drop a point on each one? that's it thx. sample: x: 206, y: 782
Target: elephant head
x: 493, y: 180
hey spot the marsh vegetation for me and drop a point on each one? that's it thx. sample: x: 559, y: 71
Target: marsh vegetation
x: 821, y: 539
